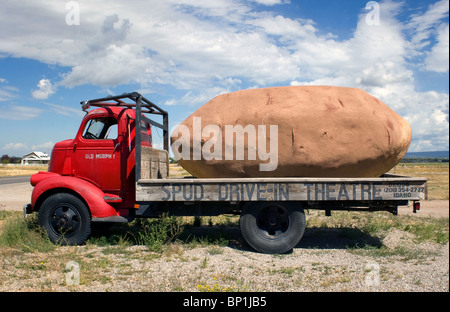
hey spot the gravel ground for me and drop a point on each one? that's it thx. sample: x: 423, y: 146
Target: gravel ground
x: 321, y: 262
x: 315, y: 265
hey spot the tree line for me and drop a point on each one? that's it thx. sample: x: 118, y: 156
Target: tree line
x: 6, y: 159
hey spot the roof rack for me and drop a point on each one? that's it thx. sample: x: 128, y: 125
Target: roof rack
x: 138, y: 100
x: 142, y: 106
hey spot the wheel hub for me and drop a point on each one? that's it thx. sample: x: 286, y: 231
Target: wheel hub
x: 65, y: 219
x: 273, y: 222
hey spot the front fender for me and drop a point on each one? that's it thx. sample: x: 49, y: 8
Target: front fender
x: 91, y: 194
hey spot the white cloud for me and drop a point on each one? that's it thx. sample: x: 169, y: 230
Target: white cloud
x: 209, y: 47
x: 431, y: 35
x: 18, y: 147
x: 427, y: 113
x: 7, y: 92
x: 45, y: 90
x: 271, y: 2
x: 170, y: 102
x: 19, y: 112
x: 438, y: 59
x: 43, y: 146
x: 64, y: 110
x: 424, y: 25
x: 201, y: 97
x: 15, y: 146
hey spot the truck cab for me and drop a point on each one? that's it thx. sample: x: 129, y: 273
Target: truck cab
x: 92, y: 176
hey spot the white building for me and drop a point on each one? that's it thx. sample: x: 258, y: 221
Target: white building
x: 35, y: 158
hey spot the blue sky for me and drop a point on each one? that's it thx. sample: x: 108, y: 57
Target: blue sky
x: 182, y: 53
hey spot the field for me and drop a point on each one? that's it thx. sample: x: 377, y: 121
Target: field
x: 17, y: 170
x: 350, y: 251
x: 436, y: 173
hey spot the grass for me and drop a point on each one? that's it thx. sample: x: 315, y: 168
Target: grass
x: 14, y: 171
x: 24, y: 247
x: 159, y: 234
x: 436, y: 173
x: 376, y: 224
x: 176, y: 171
x: 23, y: 234
x: 155, y: 233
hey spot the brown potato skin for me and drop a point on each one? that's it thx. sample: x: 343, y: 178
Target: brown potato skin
x: 323, y: 131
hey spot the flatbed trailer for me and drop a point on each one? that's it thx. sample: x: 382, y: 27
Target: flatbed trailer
x: 271, y: 209
x: 99, y: 177
x: 371, y: 192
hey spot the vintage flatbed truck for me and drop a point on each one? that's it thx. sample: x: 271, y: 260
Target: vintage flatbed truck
x: 110, y: 173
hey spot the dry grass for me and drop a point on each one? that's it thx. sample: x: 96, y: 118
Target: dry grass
x: 411, y: 252
x: 176, y: 171
x: 14, y: 171
x: 334, y: 256
x: 436, y: 173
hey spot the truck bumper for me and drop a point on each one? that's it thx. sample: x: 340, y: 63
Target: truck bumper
x: 27, y: 209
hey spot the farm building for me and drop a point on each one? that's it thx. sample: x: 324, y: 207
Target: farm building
x: 35, y: 158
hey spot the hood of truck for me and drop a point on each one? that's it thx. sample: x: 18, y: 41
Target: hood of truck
x: 60, y: 162
x: 64, y: 144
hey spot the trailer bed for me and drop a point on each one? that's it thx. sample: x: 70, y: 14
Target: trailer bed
x: 386, y: 188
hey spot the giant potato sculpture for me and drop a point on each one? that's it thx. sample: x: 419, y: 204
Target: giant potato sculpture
x: 300, y: 131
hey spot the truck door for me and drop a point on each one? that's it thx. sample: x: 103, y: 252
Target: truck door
x: 98, y: 153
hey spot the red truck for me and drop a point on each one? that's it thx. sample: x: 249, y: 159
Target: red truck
x: 111, y: 173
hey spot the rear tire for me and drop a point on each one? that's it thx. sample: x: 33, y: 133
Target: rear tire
x: 66, y: 219
x: 272, y: 227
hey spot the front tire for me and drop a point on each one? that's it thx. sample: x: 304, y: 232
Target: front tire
x: 272, y: 227
x: 66, y: 219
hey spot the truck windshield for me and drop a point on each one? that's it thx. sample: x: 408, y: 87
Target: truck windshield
x: 104, y: 128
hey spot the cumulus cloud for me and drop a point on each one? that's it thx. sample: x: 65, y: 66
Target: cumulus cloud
x: 45, y: 90
x: 205, y: 48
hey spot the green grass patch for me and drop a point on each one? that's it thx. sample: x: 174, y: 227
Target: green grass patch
x: 24, y: 234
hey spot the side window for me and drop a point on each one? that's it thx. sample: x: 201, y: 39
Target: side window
x: 103, y: 128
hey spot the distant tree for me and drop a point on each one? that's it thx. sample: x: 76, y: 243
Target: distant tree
x: 173, y: 160
x: 15, y: 160
x: 5, y: 159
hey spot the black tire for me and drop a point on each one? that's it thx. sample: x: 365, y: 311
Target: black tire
x: 66, y: 219
x: 272, y: 227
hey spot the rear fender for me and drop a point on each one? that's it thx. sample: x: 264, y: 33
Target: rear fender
x: 91, y: 194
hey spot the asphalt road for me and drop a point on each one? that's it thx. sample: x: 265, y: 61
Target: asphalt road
x: 15, y: 192
x: 11, y: 180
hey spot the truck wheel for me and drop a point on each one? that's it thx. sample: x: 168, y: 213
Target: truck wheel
x: 272, y: 228
x: 65, y: 218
